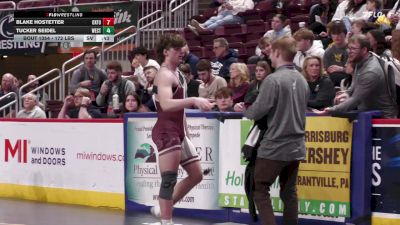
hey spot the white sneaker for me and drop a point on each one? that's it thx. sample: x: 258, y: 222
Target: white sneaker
x: 155, y: 211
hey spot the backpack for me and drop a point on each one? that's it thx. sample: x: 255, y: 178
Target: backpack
x: 391, y: 69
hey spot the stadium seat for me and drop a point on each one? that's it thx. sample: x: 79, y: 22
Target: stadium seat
x: 198, y: 51
x: 259, y: 10
x: 207, y: 13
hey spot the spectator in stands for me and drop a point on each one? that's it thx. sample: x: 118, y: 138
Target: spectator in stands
x: 239, y: 82
x: 322, y: 90
x: 88, y: 76
x: 114, y: 84
x: 192, y: 84
x: 223, y: 100
x: 280, y: 28
x: 335, y: 57
x: 31, y: 108
x: 369, y: 90
x: 191, y: 59
x: 139, y: 74
x: 210, y: 82
x: 322, y: 13
x: 263, y: 69
x: 306, y: 46
x: 352, y: 10
x: 378, y: 43
x: 146, y: 97
x: 227, y: 14
x: 79, y: 106
x: 396, y: 44
x: 142, y: 55
x: 41, y: 95
x: 224, y: 57
x: 265, y: 49
x: 374, y: 7
x: 133, y: 104
x: 394, y: 14
x: 7, y: 86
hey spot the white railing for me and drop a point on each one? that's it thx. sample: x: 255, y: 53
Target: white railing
x: 120, y: 50
x: 50, y: 5
x: 51, y: 87
x: 7, y: 109
x: 10, y: 6
x: 66, y: 74
x: 179, y: 13
x: 149, y: 28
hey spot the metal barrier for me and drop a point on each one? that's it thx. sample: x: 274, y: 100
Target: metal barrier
x: 52, y: 87
x: 180, y: 12
x: 147, y: 31
x: 40, y: 6
x: 124, y: 46
x: 8, y: 3
x: 11, y: 106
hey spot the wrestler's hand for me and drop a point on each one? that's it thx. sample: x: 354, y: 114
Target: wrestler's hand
x: 203, y: 104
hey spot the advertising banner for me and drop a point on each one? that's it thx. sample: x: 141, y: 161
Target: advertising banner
x: 143, y: 177
x: 385, y: 171
x: 74, y: 163
x: 324, y: 175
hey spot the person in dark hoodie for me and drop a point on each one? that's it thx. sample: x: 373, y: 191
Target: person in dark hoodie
x: 224, y: 57
x: 191, y: 59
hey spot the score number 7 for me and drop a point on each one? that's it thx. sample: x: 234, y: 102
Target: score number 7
x: 108, y: 21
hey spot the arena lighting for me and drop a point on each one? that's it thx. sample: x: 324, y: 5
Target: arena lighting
x: 4, y: 56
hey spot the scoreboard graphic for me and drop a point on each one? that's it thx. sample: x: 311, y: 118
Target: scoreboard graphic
x: 64, y: 26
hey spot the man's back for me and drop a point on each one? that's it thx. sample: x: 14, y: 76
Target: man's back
x: 283, y: 98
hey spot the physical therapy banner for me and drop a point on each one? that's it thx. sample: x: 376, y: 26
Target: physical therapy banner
x: 143, y: 177
x: 324, y: 175
x: 70, y: 162
x: 385, y: 174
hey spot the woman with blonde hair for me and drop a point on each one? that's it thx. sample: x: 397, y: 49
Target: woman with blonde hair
x: 322, y: 90
x: 239, y: 81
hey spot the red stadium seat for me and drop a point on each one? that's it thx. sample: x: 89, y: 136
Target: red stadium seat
x: 8, y: 5
x: 198, y: 51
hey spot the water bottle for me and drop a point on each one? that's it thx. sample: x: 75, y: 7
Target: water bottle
x: 115, y: 103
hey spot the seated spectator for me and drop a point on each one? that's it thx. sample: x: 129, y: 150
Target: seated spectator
x: 322, y: 13
x: 210, y: 83
x: 190, y: 59
x: 141, y: 54
x: 279, y: 29
x: 239, y: 82
x: 352, y: 10
x: 114, y: 84
x: 138, y: 73
x: 263, y: 69
x: 79, y: 106
x: 357, y: 27
x: 374, y: 8
x: 227, y: 14
x: 146, y: 97
x: 223, y: 100
x: 88, y: 75
x: 335, y: 57
x: 306, y: 46
x: 192, y: 84
x: 224, y: 57
x: 133, y: 104
x: 41, y: 95
x: 378, y: 43
x: 322, y: 90
x: 265, y: 46
x: 369, y: 90
x: 7, y: 86
x: 31, y: 108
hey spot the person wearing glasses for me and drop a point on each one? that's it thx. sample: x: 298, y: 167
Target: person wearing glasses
x: 224, y: 57
x: 369, y: 90
x: 79, y: 106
